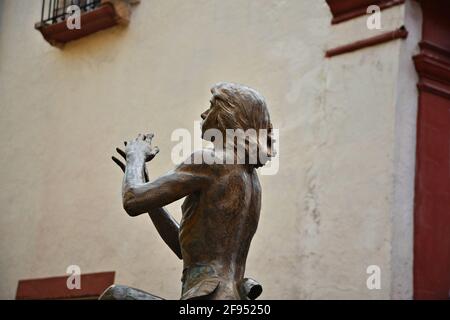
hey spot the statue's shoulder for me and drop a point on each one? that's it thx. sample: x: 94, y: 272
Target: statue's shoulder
x: 204, y: 160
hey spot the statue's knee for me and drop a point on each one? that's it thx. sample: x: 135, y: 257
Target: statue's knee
x: 114, y: 292
x: 119, y: 292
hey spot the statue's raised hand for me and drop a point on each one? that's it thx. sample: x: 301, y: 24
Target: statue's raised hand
x: 142, y: 147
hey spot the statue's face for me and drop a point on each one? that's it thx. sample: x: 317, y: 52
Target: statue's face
x: 209, y: 117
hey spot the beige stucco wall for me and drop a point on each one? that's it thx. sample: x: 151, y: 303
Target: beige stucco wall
x: 326, y: 215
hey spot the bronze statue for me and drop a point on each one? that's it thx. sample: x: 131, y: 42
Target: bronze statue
x: 222, y: 205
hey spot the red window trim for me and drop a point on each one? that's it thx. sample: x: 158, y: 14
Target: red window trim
x: 343, y: 10
x: 433, y: 66
x: 92, y: 286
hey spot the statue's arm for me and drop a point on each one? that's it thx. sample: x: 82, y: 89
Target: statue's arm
x: 166, y: 226
x: 141, y: 197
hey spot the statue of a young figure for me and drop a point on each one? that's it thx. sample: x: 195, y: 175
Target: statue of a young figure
x: 222, y: 205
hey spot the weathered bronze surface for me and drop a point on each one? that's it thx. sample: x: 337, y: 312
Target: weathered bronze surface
x: 222, y: 205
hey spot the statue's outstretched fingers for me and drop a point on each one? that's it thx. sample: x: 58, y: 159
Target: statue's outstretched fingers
x: 154, y: 152
x: 122, y: 153
x: 149, y: 137
x: 119, y: 163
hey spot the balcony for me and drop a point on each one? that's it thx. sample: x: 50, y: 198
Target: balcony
x: 94, y: 15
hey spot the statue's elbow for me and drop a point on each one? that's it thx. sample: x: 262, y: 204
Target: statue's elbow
x: 129, y: 209
x: 129, y: 204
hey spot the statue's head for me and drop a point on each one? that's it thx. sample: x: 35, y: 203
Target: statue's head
x: 235, y: 106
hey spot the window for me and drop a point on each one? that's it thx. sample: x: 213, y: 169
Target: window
x: 95, y: 15
x: 54, y: 11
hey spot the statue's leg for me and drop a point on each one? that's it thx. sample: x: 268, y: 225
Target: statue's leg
x: 118, y: 292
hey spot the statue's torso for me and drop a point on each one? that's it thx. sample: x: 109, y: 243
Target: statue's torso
x: 215, y: 233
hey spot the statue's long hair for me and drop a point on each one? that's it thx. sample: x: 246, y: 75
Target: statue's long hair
x: 241, y: 107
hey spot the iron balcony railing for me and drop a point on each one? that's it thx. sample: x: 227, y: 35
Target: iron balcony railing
x: 54, y: 11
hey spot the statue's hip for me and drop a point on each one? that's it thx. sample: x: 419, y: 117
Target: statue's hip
x: 203, y: 281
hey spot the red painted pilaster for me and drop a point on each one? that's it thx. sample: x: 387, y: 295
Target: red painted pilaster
x: 432, y: 190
